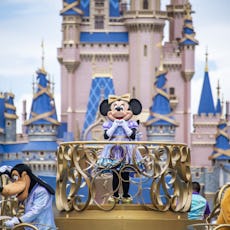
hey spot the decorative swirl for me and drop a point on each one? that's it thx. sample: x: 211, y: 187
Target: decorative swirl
x: 163, y: 176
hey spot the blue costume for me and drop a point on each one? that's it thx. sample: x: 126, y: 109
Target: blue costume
x: 38, y: 208
x: 34, y: 193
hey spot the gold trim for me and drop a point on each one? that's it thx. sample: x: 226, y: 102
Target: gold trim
x: 77, y: 167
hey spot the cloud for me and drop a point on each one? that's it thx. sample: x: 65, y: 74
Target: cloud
x: 24, y: 24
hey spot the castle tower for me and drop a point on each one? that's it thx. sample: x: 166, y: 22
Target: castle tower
x: 187, y: 47
x: 161, y: 125
x: 145, y: 23
x: 42, y: 127
x: 221, y: 153
x: 120, y: 40
x: 179, y: 60
x: 102, y: 41
x: 218, y: 104
x: 2, y: 120
x: 10, y: 118
x: 69, y: 58
x: 204, y: 123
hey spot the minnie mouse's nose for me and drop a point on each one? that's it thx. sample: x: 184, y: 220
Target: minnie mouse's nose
x: 118, y: 108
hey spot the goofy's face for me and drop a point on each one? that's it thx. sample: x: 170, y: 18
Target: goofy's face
x: 19, y: 186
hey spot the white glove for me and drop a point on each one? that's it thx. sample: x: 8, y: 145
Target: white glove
x: 111, y: 130
x: 125, y: 126
x: 13, y: 221
x: 5, y: 169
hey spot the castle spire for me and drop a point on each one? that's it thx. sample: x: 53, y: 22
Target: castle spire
x: 188, y: 31
x: 218, y: 106
x: 43, y: 55
x: 221, y: 148
x: 42, y: 69
x: 43, y: 110
x: 206, y: 61
x: 160, y: 118
x: 206, y: 105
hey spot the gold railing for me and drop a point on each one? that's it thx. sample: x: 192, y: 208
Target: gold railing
x: 163, y: 176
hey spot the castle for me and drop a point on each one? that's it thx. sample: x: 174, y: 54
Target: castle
x: 117, y: 47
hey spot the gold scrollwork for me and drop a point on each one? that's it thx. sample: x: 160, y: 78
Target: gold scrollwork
x: 163, y: 174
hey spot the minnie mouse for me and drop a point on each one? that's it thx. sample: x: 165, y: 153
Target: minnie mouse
x: 119, y: 127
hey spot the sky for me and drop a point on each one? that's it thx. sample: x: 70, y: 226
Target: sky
x: 24, y: 24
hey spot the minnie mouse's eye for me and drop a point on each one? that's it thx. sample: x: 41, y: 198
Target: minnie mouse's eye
x: 122, y: 107
x: 116, y: 106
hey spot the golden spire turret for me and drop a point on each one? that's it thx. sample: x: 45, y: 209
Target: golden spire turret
x: 206, y: 61
x: 188, y: 10
x: 161, y: 66
x: 42, y: 69
x: 218, y: 89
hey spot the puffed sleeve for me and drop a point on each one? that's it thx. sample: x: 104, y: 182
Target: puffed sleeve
x: 132, y: 124
x: 107, y: 125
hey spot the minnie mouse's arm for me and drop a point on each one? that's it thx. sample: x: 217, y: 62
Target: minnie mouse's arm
x: 130, y: 131
x: 109, y: 132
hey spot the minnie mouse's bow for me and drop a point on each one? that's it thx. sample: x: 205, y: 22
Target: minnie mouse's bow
x: 125, y: 97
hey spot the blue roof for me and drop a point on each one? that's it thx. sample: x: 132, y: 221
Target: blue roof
x: 188, y: 42
x: 2, y: 109
x: 84, y: 7
x: 40, y: 146
x: 188, y: 34
x: 98, y: 84
x: 13, y: 148
x: 103, y: 37
x: 161, y: 104
x: 218, y: 106
x: 206, y: 100
x: 222, y: 142
x: 10, y: 100
x: 43, y: 110
x: 114, y: 10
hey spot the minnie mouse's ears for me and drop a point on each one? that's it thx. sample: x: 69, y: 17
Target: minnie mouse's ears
x: 135, y: 106
x: 104, y: 107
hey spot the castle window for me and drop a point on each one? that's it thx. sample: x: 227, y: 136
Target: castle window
x: 99, y: 22
x: 99, y: 3
x: 145, y: 51
x: 171, y: 90
x: 145, y: 5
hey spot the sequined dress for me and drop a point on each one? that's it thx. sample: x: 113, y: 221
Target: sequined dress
x: 116, y: 156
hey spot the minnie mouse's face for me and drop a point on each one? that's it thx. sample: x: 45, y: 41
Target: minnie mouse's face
x: 119, y: 110
x: 120, y: 107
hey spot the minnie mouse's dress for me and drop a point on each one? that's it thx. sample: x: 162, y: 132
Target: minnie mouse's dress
x: 116, y: 156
